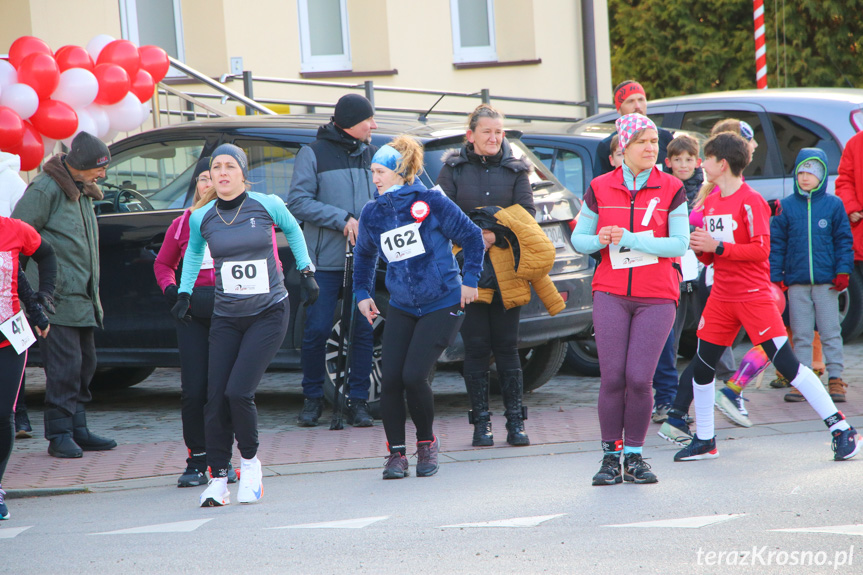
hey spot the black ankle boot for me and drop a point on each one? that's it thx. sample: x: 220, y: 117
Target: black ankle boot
x: 512, y: 388
x: 479, y: 415
x: 88, y: 440
x: 58, y: 432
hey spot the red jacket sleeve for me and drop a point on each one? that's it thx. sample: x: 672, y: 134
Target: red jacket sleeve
x: 757, y: 250
x: 845, y: 182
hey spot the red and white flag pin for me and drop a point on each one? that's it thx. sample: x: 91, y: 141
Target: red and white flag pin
x: 420, y: 211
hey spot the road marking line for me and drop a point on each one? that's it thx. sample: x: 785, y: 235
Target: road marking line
x: 836, y: 529
x: 684, y: 522
x: 177, y: 527
x: 342, y: 524
x: 10, y: 532
x: 514, y: 522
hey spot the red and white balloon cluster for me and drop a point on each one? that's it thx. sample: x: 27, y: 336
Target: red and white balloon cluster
x: 47, y: 96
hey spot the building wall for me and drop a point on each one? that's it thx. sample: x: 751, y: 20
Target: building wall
x: 414, y: 38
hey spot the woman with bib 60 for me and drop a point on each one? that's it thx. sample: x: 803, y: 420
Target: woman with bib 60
x: 413, y: 228
x: 250, y: 315
x: 637, y: 217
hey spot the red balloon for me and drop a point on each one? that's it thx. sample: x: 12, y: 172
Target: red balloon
x: 25, y: 46
x: 143, y: 86
x: 40, y: 72
x: 155, y: 61
x: 31, y: 150
x: 11, y: 128
x: 122, y: 53
x: 54, y: 119
x: 114, y: 83
x: 73, y: 57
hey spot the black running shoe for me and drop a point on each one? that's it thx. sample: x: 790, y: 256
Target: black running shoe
x: 192, y: 477
x: 698, y: 449
x: 845, y: 444
x: 312, y: 409
x: 358, y: 413
x: 396, y: 466
x: 636, y: 470
x: 427, y: 452
x: 609, y: 471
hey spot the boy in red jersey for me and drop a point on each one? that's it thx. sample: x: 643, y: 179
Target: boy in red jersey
x: 736, y: 240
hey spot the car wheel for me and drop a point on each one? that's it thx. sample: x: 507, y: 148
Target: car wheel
x: 851, y: 307
x: 582, y: 357
x: 333, y: 352
x: 108, y: 378
x: 538, y: 365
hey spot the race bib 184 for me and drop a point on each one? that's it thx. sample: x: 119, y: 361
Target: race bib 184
x: 245, y: 278
x: 402, y: 243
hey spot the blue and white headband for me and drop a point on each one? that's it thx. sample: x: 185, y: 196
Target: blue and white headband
x: 388, y: 157
x: 746, y: 131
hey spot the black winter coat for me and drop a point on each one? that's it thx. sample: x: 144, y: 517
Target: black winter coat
x: 473, y: 181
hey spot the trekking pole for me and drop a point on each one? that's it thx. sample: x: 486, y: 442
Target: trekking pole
x: 343, y: 357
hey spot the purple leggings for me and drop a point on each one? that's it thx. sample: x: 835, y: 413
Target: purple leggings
x: 629, y: 338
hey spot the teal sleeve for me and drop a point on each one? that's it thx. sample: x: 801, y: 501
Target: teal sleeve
x: 194, y: 251
x: 584, y: 238
x: 289, y: 226
x: 673, y: 246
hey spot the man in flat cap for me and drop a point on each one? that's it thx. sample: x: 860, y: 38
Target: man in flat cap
x: 59, y: 204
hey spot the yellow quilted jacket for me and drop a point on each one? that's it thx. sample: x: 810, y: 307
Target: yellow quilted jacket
x: 536, y: 258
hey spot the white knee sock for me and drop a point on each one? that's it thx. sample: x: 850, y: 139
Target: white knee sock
x: 808, y: 384
x: 704, y: 396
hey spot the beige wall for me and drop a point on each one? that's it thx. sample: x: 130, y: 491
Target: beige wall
x: 414, y: 37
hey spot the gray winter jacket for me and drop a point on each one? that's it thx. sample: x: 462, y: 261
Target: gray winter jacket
x: 332, y: 181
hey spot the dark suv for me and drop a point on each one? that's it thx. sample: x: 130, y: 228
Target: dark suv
x: 148, y: 185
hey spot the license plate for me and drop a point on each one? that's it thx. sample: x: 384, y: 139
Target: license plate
x: 555, y: 234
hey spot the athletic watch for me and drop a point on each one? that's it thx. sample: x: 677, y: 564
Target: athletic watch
x: 308, y: 271
x: 720, y: 249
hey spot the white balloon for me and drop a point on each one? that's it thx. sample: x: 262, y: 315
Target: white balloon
x: 21, y: 98
x: 48, y: 144
x: 145, y: 112
x: 85, y: 124
x: 8, y: 74
x: 100, y: 119
x: 78, y: 88
x: 125, y: 115
x: 94, y: 46
x: 109, y: 136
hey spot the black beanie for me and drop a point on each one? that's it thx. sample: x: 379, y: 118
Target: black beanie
x: 203, y: 165
x: 351, y: 109
x: 88, y: 152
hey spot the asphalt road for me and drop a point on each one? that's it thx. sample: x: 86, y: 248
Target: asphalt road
x: 554, y: 521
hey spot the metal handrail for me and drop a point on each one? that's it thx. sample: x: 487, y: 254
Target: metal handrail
x: 188, y: 97
x: 248, y: 102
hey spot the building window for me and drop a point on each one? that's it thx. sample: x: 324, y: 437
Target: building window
x: 154, y: 22
x: 473, y: 31
x: 324, y: 42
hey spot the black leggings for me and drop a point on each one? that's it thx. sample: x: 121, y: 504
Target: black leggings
x: 490, y: 329
x: 241, y: 348
x: 707, y: 356
x: 194, y: 346
x: 10, y: 381
x: 411, y: 346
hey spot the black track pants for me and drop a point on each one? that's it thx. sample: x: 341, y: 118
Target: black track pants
x: 241, y: 348
x: 411, y: 347
x: 490, y: 329
x: 11, y: 373
x: 194, y: 345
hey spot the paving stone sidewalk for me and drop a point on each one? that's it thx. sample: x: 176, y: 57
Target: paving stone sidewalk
x: 145, y: 421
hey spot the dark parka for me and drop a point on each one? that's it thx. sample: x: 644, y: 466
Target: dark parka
x: 473, y: 181
x: 61, y: 210
x: 810, y: 238
x: 332, y: 181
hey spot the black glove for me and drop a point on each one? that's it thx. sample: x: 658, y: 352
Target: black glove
x: 46, y: 300
x: 171, y: 294
x: 309, y: 286
x: 36, y: 315
x: 181, y: 308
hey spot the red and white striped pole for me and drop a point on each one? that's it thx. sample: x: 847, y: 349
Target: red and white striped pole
x: 760, y: 48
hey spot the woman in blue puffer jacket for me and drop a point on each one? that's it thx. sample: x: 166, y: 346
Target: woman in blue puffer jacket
x: 812, y: 255
x: 413, y: 228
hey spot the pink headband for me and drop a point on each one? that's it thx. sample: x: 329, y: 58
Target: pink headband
x: 628, y: 125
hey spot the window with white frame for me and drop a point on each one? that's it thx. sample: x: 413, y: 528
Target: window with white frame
x: 154, y: 22
x: 324, y: 40
x: 473, y: 31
